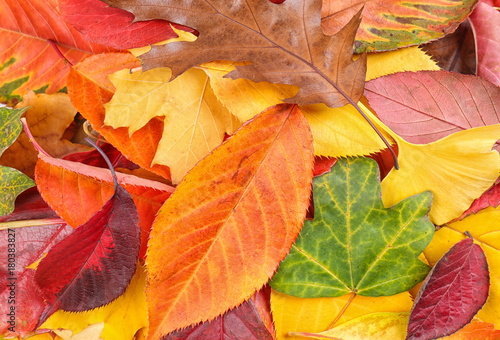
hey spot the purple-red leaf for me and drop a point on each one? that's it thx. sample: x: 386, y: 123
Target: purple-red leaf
x: 242, y: 322
x: 453, y: 292
x: 94, y: 265
x: 94, y: 158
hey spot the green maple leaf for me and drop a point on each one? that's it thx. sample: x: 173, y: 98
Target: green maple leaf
x: 12, y: 181
x: 355, y: 244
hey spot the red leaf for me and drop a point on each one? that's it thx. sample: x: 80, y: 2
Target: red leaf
x: 453, y: 292
x: 426, y: 106
x: 94, y: 265
x: 94, y: 158
x: 490, y: 198
x: 486, y: 24
x: 322, y: 165
x: 93, y: 17
x: 30, y: 244
x: 242, y: 322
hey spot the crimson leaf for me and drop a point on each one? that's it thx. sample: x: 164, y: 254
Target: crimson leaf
x: 453, y: 292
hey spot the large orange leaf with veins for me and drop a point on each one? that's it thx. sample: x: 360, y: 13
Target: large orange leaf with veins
x: 89, y: 89
x: 233, y: 218
x: 26, y: 58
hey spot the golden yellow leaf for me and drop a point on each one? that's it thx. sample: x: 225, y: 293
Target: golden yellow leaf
x: 122, y: 318
x: 485, y: 229
x: 457, y: 169
x: 336, y: 132
x: 292, y: 314
x: 371, y: 326
x: 195, y: 121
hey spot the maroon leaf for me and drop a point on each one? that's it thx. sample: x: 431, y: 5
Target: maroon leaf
x: 29, y: 243
x: 486, y: 24
x: 94, y: 158
x: 242, y: 322
x: 93, y: 17
x: 453, y: 292
x: 94, y: 265
x: 423, y: 107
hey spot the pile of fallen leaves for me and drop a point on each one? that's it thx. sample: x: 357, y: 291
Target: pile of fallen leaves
x: 255, y: 169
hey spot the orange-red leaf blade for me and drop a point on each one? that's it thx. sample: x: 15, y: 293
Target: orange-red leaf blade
x: 222, y: 233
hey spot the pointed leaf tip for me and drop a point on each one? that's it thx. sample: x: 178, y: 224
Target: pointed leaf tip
x: 453, y: 292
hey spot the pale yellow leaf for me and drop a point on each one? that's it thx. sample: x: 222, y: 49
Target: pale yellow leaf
x: 457, y: 169
x: 91, y: 332
x: 336, y: 132
x: 484, y: 227
x: 122, y: 318
x: 371, y: 326
x: 292, y: 314
x: 182, y: 36
x: 195, y: 121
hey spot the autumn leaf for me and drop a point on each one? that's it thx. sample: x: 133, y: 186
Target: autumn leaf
x: 354, y: 244
x: 92, y: 17
x: 292, y: 314
x: 226, y: 228
x: 475, y: 330
x: 89, y: 89
x: 243, y: 322
x: 423, y: 107
x: 48, y: 117
x: 485, y: 22
x: 457, y: 169
x: 122, y: 318
x: 57, y: 178
x: 92, y: 332
x: 370, y: 326
x: 483, y: 226
x: 94, y: 158
x: 28, y: 25
x: 94, y: 265
x: 453, y: 292
x: 12, y: 181
x: 195, y: 121
x: 30, y: 244
x: 284, y: 43
x: 490, y: 198
x: 387, y: 25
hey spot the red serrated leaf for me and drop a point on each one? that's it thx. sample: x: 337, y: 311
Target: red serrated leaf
x: 453, y: 292
x: 94, y: 265
x: 93, y: 17
x: 490, y: 198
x: 30, y: 244
x: 242, y: 322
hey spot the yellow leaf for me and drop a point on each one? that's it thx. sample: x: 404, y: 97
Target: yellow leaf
x: 292, y: 314
x: 195, y: 121
x: 336, y: 132
x: 485, y: 229
x: 371, y: 326
x: 122, y: 318
x: 457, y: 169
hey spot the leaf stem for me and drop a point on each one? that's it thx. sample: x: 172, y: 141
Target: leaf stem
x: 32, y: 139
x: 353, y: 295
x: 59, y: 53
x: 108, y: 162
x: 31, y: 223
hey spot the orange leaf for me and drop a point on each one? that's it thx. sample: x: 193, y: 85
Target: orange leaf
x: 475, y: 330
x: 233, y: 218
x: 89, y: 89
x: 76, y: 191
x: 26, y: 58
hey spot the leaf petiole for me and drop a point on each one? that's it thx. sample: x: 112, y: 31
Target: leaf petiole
x: 31, y: 223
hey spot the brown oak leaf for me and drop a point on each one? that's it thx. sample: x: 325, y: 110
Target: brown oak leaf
x: 284, y: 42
